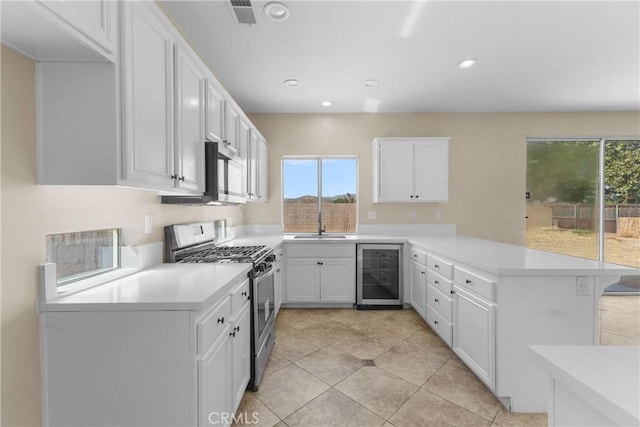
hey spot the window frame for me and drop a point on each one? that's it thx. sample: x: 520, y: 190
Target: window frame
x: 319, y: 159
x: 601, y: 202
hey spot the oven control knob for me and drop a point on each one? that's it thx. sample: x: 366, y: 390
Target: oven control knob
x: 270, y: 258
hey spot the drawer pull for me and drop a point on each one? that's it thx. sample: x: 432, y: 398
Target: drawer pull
x: 244, y: 293
x: 232, y: 334
x: 436, y: 300
x: 221, y: 320
x: 422, y: 272
x: 435, y: 322
x: 237, y: 328
x: 452, y: 292
x: 437, y: 282
x: 436, y: 266
x: 468, y: 282
x: 415, y: 255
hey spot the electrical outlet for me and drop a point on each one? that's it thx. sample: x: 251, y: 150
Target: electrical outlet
x: 438, y: 214
x: 413, y: 215
x: 582, y: 286
x: 371, y: 214
x: 148, y: 224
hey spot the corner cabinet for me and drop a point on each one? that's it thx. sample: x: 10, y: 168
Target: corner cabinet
x: 410, y: 170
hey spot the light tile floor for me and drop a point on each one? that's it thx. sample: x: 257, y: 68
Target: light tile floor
x: 316, y: 377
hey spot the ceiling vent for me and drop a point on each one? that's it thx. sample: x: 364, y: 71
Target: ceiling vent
x: 242, y: 11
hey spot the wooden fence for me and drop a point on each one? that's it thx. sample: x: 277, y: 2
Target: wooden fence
x: 303, y: 217
x: 620, y: 219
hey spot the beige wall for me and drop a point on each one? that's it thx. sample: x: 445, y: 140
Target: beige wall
x: 29, y: 212
x: 487, y: 160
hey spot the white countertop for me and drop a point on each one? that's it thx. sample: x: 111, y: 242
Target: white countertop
x: 163, y: 287
x: 494, y: 257
x: 606, y: 377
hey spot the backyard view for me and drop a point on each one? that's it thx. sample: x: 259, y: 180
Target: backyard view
x: 329, y: 180
x: 563, y: 205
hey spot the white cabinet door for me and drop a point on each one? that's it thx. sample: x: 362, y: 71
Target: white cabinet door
x: 252, y: 167
x: 189, y: 123
x: 418, y: 288
x: 231, y: 118
x: 214, y: 382
x: 278, y: 282
x: 337, y: 280
x: 395, y: 171
x: 241, y: 354
x: 214, y: 114
x: 303, y: 280
x: 147, y: 61
x: 263, y: 171
x: 474, y: 334
x: 431, y: 171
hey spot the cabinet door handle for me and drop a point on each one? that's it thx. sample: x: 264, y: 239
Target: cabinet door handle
x: 232, y: 334
x: 411, y: 196
x: 452, y: 292
x: 435, y: 322
x: 415, y: 255
x: 278, y: 271
x: 174, y: 176
x: 422, y: 272
x: 417, y: 196
x: 436, y: 300
x: 221, y: 319
x: 436, y: 266
x: 181, y: 178
x: 468, y: 282
x: 237, y: 328
x: 244, y: 293
x: 437, y: 282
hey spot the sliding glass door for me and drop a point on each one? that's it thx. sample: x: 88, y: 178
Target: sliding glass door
x: 583, y: 198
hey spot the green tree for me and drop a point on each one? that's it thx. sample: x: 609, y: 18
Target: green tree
x: 622, y: 172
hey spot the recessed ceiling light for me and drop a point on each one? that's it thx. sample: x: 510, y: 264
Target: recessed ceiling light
x: 276, y: 11
x: 326, y: 103
x: 467, y: 63
x: 371, y: 83
x: 291, y: 83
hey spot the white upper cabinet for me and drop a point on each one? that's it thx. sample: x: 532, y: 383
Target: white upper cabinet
x: 252, y: 167
x: 410, y: 169
x: 147, y: 60
x: 263, y: 171
x: 189, y: 139
x: 214, y: 115
x: 231, y: 132
x: 62, y: 30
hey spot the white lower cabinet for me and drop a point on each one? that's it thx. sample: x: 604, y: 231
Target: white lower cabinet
x: 418, y: 287
x: 321, y: 273
x: 214, y: 382
x: 165, y: 367
x: 474, y: 334
x: 278, y: 278
x: 241, y: 353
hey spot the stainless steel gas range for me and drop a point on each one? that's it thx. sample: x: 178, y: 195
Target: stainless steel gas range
x: 196, y: 243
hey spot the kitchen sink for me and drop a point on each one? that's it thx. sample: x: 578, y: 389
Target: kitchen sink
x: 320, y: 236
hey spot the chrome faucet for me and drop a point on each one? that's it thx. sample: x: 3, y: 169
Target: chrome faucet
x: 320, y: 227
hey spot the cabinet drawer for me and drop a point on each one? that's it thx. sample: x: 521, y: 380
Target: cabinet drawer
x: 240, y: 295
x: 321, y: 250
x: 439, y: 282
x: 418, y: 255
x: 441, y: 266
x: 213, y: 324
x: 440, y: 325
x: 475, y: 283
x: 442, y: 303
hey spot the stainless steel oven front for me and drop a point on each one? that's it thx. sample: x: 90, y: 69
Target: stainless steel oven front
x: 263, y: 320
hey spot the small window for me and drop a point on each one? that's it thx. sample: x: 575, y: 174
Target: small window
x: 83, y: 254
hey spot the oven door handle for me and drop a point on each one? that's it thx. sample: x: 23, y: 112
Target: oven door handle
x: 265, y: 272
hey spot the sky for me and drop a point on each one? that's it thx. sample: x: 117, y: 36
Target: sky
x: 301, y: 177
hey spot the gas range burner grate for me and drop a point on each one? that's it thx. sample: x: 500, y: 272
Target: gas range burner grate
x: 226, y: 254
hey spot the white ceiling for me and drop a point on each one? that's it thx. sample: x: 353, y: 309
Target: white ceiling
x: 532, y: 55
